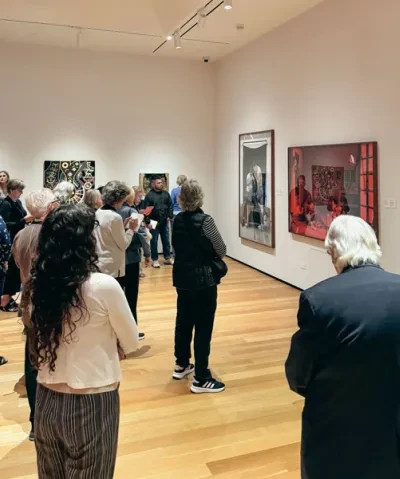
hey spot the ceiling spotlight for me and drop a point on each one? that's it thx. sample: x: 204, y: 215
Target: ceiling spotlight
x: 177, y: 40
x: 201, y: 20
x: 228, y: 4
x: 169, y: 37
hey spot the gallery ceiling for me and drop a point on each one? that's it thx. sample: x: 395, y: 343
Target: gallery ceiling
x: 142, y: 26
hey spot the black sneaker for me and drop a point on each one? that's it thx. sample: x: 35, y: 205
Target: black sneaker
x: 32, y: 436
x: 209, y: 386
x: 180, y: 373
x: 141, y: 336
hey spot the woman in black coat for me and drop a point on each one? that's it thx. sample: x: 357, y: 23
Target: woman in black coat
x: 345, y: 361
x: 15, y: 217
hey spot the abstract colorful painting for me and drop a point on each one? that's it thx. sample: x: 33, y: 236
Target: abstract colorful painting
x: 80, y: 173
x: 145, y: 180
x: 343, y: 180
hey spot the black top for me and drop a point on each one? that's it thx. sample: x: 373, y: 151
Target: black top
x: 161, y: 200
x: 194, y: 252
x: 13, y: 214
x: 345, y: 360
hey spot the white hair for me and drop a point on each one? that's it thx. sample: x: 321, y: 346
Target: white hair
x: 64, y: 191
x: 352, y: 242
x: 38, y: 202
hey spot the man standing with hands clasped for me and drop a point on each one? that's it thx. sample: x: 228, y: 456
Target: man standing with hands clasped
x: 162, y: 213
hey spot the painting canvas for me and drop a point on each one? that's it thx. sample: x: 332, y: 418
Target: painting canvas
x: 80, y: 173
x: 331, y: 180
x: 256, y: 190
x: 145, y: 180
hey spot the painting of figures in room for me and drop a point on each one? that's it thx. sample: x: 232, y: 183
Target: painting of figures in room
x: 256, y: 163
x: 329, y: 181
x: 80, y: 173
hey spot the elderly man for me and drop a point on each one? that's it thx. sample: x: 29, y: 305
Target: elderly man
x: 39, y: 204
x: 345, y: 361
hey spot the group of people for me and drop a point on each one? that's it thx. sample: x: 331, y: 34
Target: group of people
x: 78, y: 267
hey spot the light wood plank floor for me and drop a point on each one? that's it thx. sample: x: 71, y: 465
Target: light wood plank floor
x: 251, y: 430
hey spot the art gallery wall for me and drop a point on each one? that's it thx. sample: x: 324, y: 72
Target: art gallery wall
x: 329, y: 76
x: 129, y: 114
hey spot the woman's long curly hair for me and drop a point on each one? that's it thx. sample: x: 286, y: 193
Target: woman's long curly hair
x: 65, y: 259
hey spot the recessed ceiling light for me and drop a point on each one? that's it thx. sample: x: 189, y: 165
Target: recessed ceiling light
x: 228, y: 5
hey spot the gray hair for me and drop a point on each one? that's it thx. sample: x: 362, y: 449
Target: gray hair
x: 352, y: 242
x: 114, y: 192
x: 64, y: 192
x: 191, y: 196
x: 38, y: 202
x: 181, y: 179
x: 90, y: 198
x: 15, y: 185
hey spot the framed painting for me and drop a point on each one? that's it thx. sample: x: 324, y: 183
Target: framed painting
x: 331, y: 180
x: 145, y: 180
x: 256, y: 188
x: 80, y: 173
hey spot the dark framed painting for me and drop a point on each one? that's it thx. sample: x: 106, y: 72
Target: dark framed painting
x: 331, y: 180
x: 256, y: 187
x: 80, y: 173
x: 145, y: 180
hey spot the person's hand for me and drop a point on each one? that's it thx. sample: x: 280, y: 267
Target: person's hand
x: 127, y: 221
x: 121, y: 353
x: 133, y: 224
x: 6, y: 266
x: 147, y: 262
x: 28, y: 218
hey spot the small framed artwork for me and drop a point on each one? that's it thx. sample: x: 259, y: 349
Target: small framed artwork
x: 256, y: 189
x: 331, y: 180
x: 145, y: 180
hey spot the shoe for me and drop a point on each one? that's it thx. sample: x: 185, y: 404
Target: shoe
x: 169, y: 261
x: 209, y: 386
x: 9, y: 308
x: 156, y: 264
x: 141, y: 336
x: 180, y: 373
x: 32, y: 436
x: 3, y: 360
x: 142, y: 275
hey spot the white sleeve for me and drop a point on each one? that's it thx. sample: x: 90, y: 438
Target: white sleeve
x: 121, y: 318
x: 121, y: 237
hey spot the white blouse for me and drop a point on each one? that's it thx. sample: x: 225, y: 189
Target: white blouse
x: 90, y: 358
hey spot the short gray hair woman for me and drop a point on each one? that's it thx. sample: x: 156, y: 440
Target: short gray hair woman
x: 93, y: 199
x: 197, y: 242
x: 352, y: 242
x: 64, y: 192
x: 39, y: 202
x: 112, y: 239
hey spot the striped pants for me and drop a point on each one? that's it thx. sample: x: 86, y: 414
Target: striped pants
x: 76, y: 436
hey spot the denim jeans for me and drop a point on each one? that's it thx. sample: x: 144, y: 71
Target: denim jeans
x: 163, y: 231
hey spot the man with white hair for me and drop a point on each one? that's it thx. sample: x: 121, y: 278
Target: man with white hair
x: 345, y: 361
x: 39, y: 204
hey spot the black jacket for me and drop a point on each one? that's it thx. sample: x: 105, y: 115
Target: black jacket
x: 193, y: 253
x: 161, y: 200
x: 13, y: 214
x: 345, y: 360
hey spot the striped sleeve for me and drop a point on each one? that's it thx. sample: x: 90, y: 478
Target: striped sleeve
x: 211, y: 232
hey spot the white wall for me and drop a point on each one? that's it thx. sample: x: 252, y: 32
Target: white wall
x: 329, y: 76
x: 130, y: 114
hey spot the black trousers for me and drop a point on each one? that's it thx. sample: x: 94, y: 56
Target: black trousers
x: 30, y: 384
x: 130, y: 285
x: 195, y: 310
x: 13, y: 280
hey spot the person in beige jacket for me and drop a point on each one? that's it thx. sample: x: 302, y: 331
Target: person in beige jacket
x: 113, y: 236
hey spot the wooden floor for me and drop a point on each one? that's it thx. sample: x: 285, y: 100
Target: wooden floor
x: 251, y: 430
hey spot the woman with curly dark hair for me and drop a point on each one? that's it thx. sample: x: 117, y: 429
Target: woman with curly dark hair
x: 79, y: 316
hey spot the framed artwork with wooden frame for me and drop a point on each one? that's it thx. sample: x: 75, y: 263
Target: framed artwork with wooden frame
x: 331, y: 180
x: 257, y: 187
